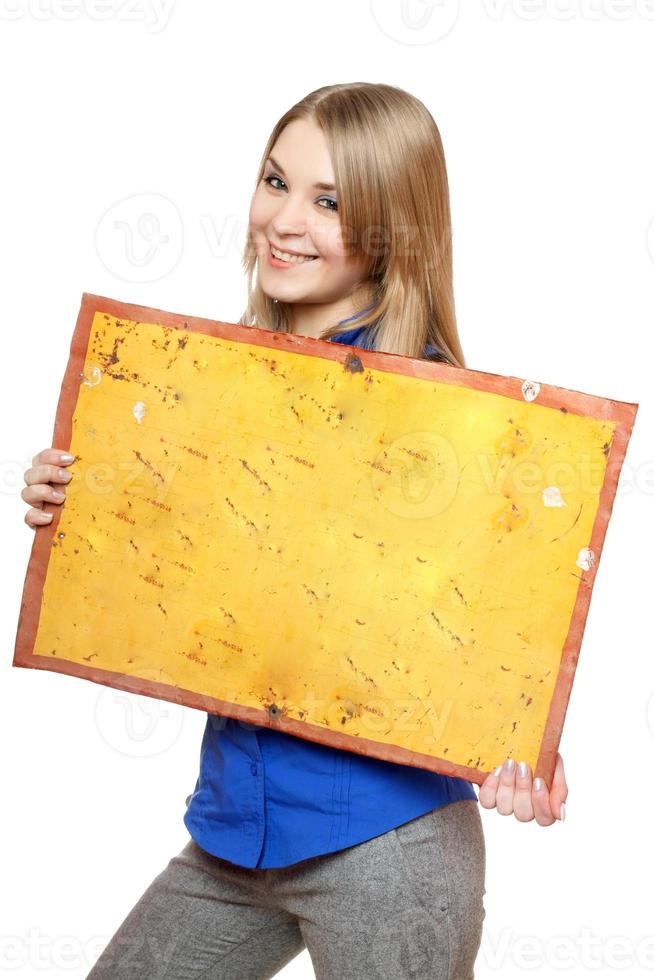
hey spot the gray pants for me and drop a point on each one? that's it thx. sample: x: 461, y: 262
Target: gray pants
x: 408, y: 903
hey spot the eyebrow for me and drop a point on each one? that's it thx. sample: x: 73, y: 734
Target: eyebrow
x: 319, y: 186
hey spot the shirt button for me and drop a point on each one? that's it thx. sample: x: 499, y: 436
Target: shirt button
x: 253, y: 768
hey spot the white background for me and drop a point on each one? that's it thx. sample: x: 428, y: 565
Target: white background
x: 545, y: 113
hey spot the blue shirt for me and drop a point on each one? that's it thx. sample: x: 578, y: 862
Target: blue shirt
x: 266, y: 799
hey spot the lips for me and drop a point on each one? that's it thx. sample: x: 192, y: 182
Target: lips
x: 288, y: 251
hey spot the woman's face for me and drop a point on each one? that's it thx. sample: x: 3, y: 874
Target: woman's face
x: 290, y: 212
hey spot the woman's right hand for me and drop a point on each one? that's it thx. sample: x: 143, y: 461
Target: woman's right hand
x: 45, y: 478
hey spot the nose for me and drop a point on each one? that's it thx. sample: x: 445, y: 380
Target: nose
x: 290, y: 218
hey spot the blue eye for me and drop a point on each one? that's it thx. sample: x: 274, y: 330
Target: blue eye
x: 269, y: 180
x: 272, y: 177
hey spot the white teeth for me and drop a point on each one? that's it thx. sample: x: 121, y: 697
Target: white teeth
x: 287, y: 257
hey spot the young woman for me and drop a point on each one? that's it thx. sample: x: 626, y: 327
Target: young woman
x: 377, y: 868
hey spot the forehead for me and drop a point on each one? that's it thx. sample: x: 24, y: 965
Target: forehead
x: 301, y: 150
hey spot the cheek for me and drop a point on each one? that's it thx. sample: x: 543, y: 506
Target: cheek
x: 329, y: 240
x: 260, y: 212
x: 334, y: 249
x: 340, y: 274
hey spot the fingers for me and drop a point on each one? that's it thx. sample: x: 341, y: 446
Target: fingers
x: 541, y: 800
x: 38, y: 492
x: 48, y: 467
x: 488, y: 790
x: 549, y: 805
x: 511, y: 789
x: 37, y: 518
x: 51, y: 455
x: 559, y: 793
x: 506, y: 788
x: 47, y: 473
x: 522, y: 805
x: 498, y: 788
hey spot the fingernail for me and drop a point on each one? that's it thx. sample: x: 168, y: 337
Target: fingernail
x: 66, y: 458
x: 44, y: 516
x: 64, y: 474
x: 509, y: 764
x: 562, y: 812
x: 58, y: 495
x: 538, y: 783
x: 523, y: 770
x: 497, y: 771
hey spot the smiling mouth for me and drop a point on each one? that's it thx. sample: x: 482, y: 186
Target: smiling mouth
x: 282, y: 256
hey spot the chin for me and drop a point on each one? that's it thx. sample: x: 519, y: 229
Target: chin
x: 283, y: 297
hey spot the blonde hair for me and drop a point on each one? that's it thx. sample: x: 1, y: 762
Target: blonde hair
x: 394, y: 209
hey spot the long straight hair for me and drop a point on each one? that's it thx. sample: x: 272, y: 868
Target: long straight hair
x: 394, y: 209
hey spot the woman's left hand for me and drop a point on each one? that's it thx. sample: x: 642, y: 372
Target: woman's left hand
x: 511, y: 791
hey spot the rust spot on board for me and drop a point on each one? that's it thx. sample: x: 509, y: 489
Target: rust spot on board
x: 460, y: 595
x: 513, y: 441
x: 305, y: 462
x: 195, y: 452
x: 123, y: 517
x: 157, y: 503
x: 254, y: 473
x: 238, y: 514
x: 148, y: 465
x: 510, y: 516
x: 113, y: 357
x: 352, y: 363
x: 190, y: 655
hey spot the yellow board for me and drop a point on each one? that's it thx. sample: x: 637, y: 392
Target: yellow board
x: 388, y: 557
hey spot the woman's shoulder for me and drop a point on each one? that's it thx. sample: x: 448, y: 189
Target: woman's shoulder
x: 434, y: 354
x: 357, y: 336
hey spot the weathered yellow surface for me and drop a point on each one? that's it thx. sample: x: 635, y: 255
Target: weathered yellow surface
x: 372, y: 552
